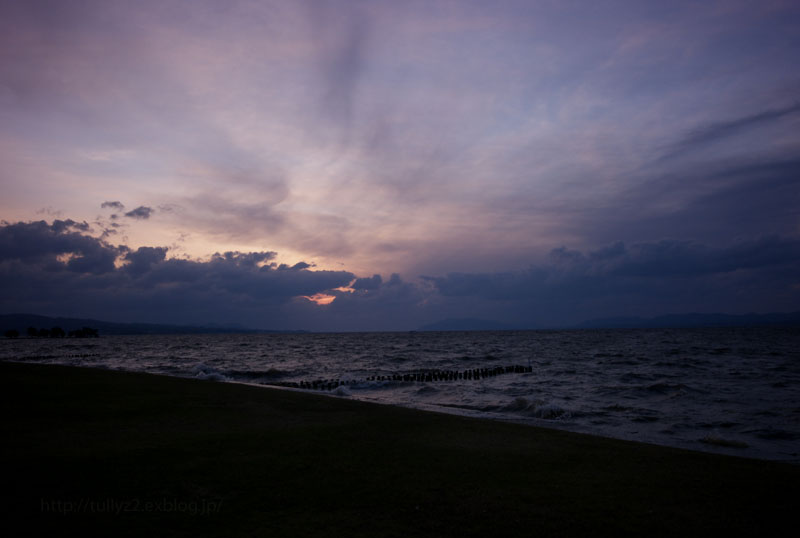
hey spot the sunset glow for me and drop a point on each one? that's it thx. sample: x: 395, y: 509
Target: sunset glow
x: 320, y: 298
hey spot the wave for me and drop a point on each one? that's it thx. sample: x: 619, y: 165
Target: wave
x: 203, y: 371
x: 537, y: 409
x: 341, y: 390
x: 632, y: 377
x: 427, y: 389
x: 617, y: 407
x: 675, y: 364
x: 270, y: 373
x: 668, y: 388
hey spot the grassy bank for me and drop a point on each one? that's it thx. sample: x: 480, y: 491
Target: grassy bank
x: 99, y: 452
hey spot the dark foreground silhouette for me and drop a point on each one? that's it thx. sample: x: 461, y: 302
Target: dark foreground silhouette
x: 105, y: 453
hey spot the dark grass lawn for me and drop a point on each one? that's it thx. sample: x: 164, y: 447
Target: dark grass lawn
x: 95, y: 452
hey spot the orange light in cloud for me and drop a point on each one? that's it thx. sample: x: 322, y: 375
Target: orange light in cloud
x: 320, y: 298
x: 346, y: 289
x: 324, y: 298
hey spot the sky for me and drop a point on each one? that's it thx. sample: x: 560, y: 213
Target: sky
x: 381, y: 165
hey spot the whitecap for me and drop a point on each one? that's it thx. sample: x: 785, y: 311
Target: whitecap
x: 341, y: 390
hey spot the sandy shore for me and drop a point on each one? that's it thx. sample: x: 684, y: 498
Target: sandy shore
x: 96, y: 452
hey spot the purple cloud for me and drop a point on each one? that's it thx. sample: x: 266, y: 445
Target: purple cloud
x: 140, y: 213
x: 113, y: 205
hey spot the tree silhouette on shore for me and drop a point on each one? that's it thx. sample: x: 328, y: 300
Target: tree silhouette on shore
x: 54, y: 332
x: 84, y: 332
x: 57, y: 332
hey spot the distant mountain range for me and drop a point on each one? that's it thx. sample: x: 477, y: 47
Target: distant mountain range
x: 467, y: 324
x: 21, y: 322
x: 696, y: 320
x: 666, y: 321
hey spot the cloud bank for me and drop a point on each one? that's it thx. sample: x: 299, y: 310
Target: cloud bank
x: 58, y: 268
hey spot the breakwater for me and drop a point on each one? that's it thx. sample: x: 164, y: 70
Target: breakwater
x: 424, y: 376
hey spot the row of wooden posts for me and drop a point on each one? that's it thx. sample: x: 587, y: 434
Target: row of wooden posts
x: 428, y: 376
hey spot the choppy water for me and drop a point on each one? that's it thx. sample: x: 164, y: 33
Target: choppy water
x: 734, y: 391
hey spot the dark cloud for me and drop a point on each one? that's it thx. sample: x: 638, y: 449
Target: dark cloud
x: 60, y: 226
x: 665, y: 259
x: 57, y: 246
x: 141, y: 213
x: 640, y: 279
x: 113, y: 205
x: 370, y: 283
x: 299, y: 266
x: 393, y: 304
x: 494, y: 286
x: 245, y: 259
x: 708, y: 134
x: 713, y: 202
x: 59, y: 269
x: 143, y: 259
x: 56, y: 269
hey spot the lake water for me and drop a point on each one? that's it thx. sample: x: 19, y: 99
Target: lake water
x: 733, y: 391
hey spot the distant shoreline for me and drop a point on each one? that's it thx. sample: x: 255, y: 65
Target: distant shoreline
x: 20, y: 322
